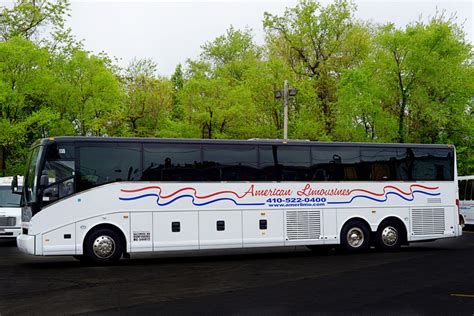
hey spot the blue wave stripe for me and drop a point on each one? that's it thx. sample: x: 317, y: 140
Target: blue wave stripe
x: 187, y: 196
x: 386, y: 197
x: 138, y: 197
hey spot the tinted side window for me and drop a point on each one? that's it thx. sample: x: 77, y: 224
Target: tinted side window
x: 230, y: 162
x: 378, y: 164
x: 285, y: 163
x: 462, y: 189
x: 108, y: 162
x: 331, y: 163
x: 432, y: 164
x: 269, y: 163
x: 469, y: 189
x: 295, y: 162
x: 171, y: 162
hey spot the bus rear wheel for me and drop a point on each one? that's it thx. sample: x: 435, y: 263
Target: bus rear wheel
x: 389, y: 236
x: 103, y: 246
x: 355, y: 237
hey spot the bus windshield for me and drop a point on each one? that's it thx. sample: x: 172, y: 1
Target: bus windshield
x: 8, y: 199
x: 31, y: 176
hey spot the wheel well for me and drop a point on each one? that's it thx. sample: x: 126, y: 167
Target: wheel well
x: 356, y: 219
x: 109, y: 226
x: 400, y: 223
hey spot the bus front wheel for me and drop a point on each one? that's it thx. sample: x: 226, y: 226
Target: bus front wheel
x: 103, y: 246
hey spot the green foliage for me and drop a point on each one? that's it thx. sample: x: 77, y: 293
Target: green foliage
x: 216, y: 95
x: 85, y: 93
x: 26, y: 18
x: 148, y: 99
x: 355, y: 82
x: 24, y: 78
x: 415, y: 86
x: 319, y: 43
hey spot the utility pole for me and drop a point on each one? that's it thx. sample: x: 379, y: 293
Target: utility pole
x: 285, y: 111
x: 287, y: 93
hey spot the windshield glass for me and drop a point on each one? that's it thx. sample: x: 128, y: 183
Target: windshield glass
x: 59, y: 166
x: 31, y: 176
x: 8, y: 199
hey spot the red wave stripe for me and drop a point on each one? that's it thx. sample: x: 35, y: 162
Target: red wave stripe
x: 181, y: 190
x: 395, y: 188
x: 141, y: 189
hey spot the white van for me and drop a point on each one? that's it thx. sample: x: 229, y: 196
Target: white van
x: 10, y: 210
x: 466, y: 198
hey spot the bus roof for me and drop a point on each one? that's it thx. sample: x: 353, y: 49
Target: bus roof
x: 61, y: 139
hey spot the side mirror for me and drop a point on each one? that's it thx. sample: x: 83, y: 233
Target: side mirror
x: 44, y: 180
x: 14, y: 184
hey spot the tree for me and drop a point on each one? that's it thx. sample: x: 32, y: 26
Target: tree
x: 41, y: 21
x: 177, y: 81
x: 148, y: 98
x: 216, y: 96
x: 24, y: 81
x: 417, y: 82
x: 86, y: 94
x: 318, y: 43
x: 360, y: 114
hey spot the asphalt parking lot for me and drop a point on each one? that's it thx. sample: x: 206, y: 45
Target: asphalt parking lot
x: 424, y: 278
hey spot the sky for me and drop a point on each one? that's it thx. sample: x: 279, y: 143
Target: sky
x: 170, y: 32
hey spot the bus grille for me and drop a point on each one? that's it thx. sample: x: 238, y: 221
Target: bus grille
x: 7, y: 221
x: 303, y: 224
x: 428, y: 221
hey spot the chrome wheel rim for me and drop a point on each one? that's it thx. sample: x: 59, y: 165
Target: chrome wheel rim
x: 389, y: 236
x: 355, y: 237
x: 104, y: 247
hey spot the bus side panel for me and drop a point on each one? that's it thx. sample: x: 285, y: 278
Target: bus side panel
x: 61, y: 241
x: 175, y: 231
x: 331, y: 235
x: 466, y: 198
x: 141, y: 231
x: 118, y: 220
x: 220, y: 229
x: 467, y: 208
x: 263, y: 228
x: 432, y: 223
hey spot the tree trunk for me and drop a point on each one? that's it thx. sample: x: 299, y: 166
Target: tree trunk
x: 209, y: 130
x: 401, y: 121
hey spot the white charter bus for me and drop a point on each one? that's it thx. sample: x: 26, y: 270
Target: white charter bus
x: 99, y: 199
x: 466, y: 198
x: 10, y: 210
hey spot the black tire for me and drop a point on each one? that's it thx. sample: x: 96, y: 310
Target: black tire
x: 390, y: 236
x: 355, y: 237
x: 103, y: 246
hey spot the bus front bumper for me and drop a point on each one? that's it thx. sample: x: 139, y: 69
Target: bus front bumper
x: 26, y: 244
